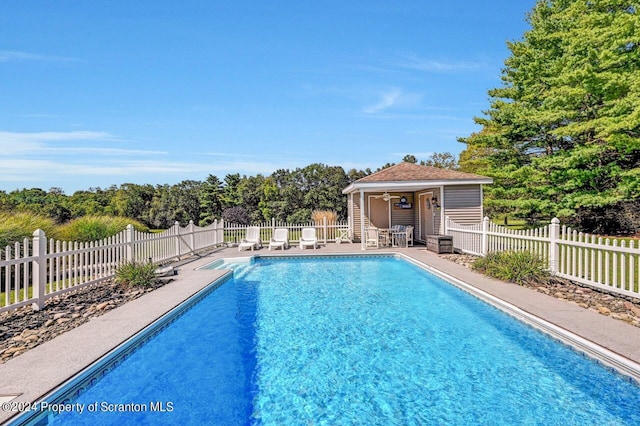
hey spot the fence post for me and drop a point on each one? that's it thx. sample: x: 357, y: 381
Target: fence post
x: 220, y: 231
x: 445, y: 231
x: 485, y: 237
x: 192, y: 236
x: 176, y: 232
x: 129, y: 242
x: 324, y: 228
x: 39, y: 269
x: 554, y: 236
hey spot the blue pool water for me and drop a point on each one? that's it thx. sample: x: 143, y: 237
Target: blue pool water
x: 352, y: 341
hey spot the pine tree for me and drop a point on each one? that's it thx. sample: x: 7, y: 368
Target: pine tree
x: 562, y: 135
x: 211, y: 200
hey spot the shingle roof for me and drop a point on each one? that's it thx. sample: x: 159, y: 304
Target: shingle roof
x: 404, y: 172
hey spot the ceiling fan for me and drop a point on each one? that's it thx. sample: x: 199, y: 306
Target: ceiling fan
x: 386, y: 196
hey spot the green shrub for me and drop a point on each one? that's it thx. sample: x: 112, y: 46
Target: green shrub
x: 520, y: 267
x: 136, y: 274
x: 15, y: 226
x: 93, y: 228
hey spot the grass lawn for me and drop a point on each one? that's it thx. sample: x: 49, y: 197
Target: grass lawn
x: 51, y: 287
x: 12, y: 295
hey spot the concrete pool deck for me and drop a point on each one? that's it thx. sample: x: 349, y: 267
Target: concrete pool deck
x: 38, y: 371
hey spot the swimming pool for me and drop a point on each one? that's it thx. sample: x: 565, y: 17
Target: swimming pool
x: 351, y: 340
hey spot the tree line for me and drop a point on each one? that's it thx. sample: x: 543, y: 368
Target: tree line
x: 285, y: 195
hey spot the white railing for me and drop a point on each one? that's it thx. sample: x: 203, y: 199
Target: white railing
x: 605, y: 263
x: 37, y: 269
x: 326, y: 231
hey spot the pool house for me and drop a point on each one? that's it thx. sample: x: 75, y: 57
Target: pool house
x: 414, y: 195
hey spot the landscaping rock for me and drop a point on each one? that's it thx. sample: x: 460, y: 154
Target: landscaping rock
x: 618, y: 307
x: 24, y: 328
x: 604, y: 310
x: 101, y: 306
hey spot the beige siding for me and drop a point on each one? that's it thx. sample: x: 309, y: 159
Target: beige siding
x: 356, y: 216
x: 437, y: 222
x: 463, y: 204
x: 403, y: 216
x: 350, y: 213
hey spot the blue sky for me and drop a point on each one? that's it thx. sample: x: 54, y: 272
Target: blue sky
x: 109, y: 92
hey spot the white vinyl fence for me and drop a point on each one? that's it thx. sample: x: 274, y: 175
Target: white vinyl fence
x: 39, y: 268
x: 609, y: 264
x: 326, y: 231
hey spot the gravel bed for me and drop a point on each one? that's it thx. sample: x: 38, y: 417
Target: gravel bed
x: 24, y: 328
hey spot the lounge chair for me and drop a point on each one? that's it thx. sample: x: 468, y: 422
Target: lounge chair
x: 308, y: 238
x: 280, y: 239
x: 251, y: 240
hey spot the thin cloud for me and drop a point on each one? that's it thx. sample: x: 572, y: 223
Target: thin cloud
x: 392, y: 99
x: 440, y: 66
x: 387, y: 100
x: 15, y: 56
x: 418, y: 155
x: 249, y: 156
x: 41, y: 169
x: 105, y: 151
x: 15, y: 143
x: 80, y: 135
x: 38, y: 115
x: 44, y: 145
x: 422, y: 117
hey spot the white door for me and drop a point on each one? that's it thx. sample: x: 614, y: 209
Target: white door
x: 426, y: 215
x: 378, y: 212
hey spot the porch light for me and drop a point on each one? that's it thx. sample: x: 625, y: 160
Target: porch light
x: 434, y: 201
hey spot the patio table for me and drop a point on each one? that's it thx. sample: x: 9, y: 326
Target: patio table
x: 384, y: 236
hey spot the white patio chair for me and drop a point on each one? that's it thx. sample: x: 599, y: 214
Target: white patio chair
x: 398, y: 234
x: 409, y: 236
x: 251, y: 240
x: 280, y: 239
x: 308, y: 238
x: 372, y: 238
